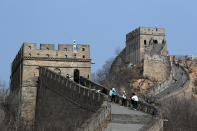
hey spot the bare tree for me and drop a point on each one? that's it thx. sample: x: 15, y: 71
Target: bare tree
x: 102, y: 73
x: 180, y: 114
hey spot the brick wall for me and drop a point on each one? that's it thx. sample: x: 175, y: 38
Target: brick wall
x: 63, y: 104
x: 157, y: 67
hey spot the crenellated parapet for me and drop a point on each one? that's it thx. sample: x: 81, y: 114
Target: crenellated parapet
x: 71, y: 60
x: 47, y: 52
x: 64, y: 51
x: 64, y: 101
x: 145, y: 31
x: 78, y: 94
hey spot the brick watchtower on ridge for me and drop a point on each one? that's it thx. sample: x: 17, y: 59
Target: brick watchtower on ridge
x: 70, y: 59
x: 138, y: 40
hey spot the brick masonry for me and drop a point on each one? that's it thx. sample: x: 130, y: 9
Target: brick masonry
x: 60, y: 101
x: 25, y: 72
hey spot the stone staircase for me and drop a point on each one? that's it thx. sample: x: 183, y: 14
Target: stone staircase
x: 125, y: 119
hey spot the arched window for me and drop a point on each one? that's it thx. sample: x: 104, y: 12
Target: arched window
x: 144, y: 42
x: 76, y: 75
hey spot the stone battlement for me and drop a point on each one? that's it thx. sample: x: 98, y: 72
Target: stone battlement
x: 139, y: 40
x: 64, y: 101
x: 71, y: 60
x: 47, y: 52
x: 146, y: 31
x: 64, y: 51
x: 71, y: 89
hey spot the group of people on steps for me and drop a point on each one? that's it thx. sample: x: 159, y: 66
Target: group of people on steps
x: 133, y: 98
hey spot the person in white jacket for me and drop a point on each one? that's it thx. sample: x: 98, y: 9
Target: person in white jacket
x: 135, y: 101
x: 110, y: 94
x: 124, y: 97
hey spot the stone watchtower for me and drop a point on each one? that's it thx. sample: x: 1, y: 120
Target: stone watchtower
x: 69, y: 60
x: 138, y: 40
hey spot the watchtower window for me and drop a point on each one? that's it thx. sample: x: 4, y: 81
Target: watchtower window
x: 65, y: 49
x: 155, y: 41
x: 83, y: 56
x: 75, y: 55
x: 65, y: 56
x: 83, y: 49
x: 29, y: 47
x: 144, y: 42
x: 29, y: 54
x: 47, y: 55
x: 47, y: 48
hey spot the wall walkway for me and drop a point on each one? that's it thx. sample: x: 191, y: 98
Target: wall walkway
x: 173, y: 85
x: 123, y: 118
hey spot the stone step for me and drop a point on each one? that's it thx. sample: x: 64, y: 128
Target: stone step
x: 130, y: 119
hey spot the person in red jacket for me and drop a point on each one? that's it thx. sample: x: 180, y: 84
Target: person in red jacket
x: 131, y: 99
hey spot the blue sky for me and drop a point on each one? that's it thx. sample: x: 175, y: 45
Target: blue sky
x: 101, y: 23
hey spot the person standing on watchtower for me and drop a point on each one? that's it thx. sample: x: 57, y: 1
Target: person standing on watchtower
x: 74, y: 47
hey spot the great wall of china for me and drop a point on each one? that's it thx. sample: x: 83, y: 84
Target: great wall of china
x: 43, y: 96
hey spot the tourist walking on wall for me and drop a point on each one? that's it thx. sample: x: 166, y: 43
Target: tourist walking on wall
x: 114, y: 93
x: 177, y: 64
x: 135, y: 101
x: 82, y: 81
x: 182, y: 84
x: 131, y: 99
x: 67, y: 76
x: 124, y: 97
x: 110, y: 94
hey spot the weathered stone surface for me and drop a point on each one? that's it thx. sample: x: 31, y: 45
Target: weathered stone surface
x: 25, y: 70
x: 138, y: 40
x: 157, y: 67
x: 145, y: 47
x: 126, y: 119
x: 65, y: 105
